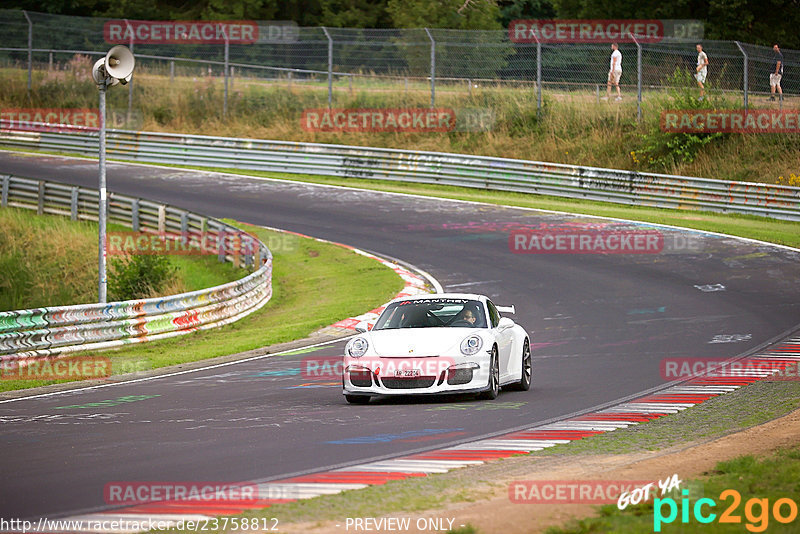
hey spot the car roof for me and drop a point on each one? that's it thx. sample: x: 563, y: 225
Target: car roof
x: 429, y: 296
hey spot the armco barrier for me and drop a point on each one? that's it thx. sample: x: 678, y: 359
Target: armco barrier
x: 571, y: 181
x: 43, y: 332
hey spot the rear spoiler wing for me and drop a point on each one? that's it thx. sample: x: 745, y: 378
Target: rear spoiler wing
x: 506, y: 309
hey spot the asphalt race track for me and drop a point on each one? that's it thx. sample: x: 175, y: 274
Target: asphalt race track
x: 601, y: 323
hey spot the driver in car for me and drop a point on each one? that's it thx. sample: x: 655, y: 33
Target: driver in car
x: 467, y: 315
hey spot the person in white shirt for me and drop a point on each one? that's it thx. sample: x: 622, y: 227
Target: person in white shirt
x: 614, y: 71
x: 702, y: 70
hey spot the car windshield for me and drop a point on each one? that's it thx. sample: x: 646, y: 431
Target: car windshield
x: 426, y: 313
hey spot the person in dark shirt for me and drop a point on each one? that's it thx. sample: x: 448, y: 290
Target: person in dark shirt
x: 775, y: 77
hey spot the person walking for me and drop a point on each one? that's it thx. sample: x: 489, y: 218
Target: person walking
x: 701, y: 71
x: 614, y: 71
x: 775, y: 77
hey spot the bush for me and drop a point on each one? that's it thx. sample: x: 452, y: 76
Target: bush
x: 136, y: 277
x: 663, y: 150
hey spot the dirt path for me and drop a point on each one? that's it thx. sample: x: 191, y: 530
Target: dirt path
x: 498, y: 514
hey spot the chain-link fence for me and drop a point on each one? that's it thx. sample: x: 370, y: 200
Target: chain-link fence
x: 406, y: 59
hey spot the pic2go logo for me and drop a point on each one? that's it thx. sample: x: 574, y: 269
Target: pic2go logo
x: 756, y: 511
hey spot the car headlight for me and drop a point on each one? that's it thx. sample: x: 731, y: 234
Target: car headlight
x: 471, y: 345
x: 358, y: 347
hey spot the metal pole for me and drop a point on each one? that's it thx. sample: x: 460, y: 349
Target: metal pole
x: 330, y: 66
x: 433, y: 68
x: 538, y: 74
x: 227, y: 57
x: 638, y: 79
x: 745, y: 82
x: 101, y: 207
x: 30, y: 48
x: 171, y: 71
x: 130, y: 83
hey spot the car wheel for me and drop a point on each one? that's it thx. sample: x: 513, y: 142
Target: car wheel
x: 524, y: 383
x: 494, y: 378
x: 357, y: 399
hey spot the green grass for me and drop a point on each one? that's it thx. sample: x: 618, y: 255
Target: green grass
x: 49, y: 260
x: 314, y: 285
x: 572, y: 127
x: 772, y: 477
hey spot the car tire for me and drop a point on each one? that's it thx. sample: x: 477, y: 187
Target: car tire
x: 524, y: 383
x: 357, y: 399
x: 494, y: 378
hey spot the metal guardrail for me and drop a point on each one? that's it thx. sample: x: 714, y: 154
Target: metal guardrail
x: 42, y: 332
x: 481, y: 172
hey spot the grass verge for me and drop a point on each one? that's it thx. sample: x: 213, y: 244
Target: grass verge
x: 760, y: 482
x: 573, y: 126
x: 314, y: 285
x: 49, y: 260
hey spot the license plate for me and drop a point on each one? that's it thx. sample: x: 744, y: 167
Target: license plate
x: 407, y: 373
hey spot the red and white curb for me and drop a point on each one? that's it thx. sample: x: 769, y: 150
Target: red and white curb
x: 785, y: 354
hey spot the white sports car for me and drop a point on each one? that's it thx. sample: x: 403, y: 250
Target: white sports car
x: 434, y: 344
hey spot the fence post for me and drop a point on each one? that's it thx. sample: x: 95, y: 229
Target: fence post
x: 130, y: 82
x: 30, y: 48
x: 638, y: 79
x: 4, y: 193
x: 50, y: 62
x: 162, y: 218
x: 135, y: 214
x: 171, y: 71
x: 227, y: 53
x: 40, y: 199
x: 330, y: 66
x: 73, y: 204
x: 745, y: 81
x: 221, y: 237
x: 433, y: 68
x: 289, y: 81
x: 538, y: 74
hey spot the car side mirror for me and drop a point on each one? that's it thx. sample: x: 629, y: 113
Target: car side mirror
x: 505, y: 322
x: 362, y: 326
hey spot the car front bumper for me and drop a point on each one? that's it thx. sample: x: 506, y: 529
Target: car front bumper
x: 451, y: 376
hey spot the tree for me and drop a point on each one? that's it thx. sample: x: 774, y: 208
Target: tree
x: 453, y: 14
x: 511, y: 10
x: 354, y: 14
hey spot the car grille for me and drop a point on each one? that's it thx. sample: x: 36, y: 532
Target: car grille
x: 457, y: 377
x: 362, y: 379
x: 409, y: 383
